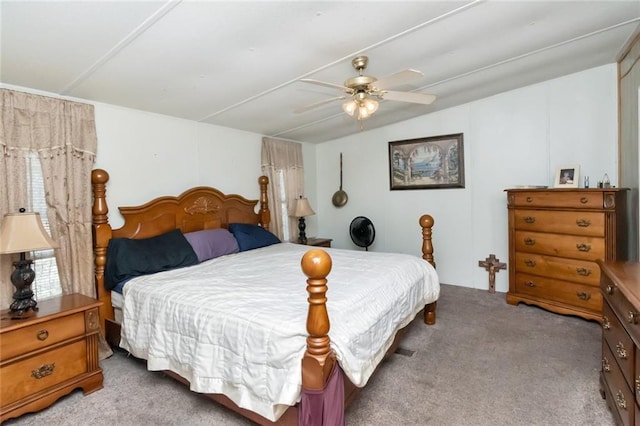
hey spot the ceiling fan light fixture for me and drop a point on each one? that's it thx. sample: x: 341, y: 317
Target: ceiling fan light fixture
x: 350, y: 107
x: 371, y: 105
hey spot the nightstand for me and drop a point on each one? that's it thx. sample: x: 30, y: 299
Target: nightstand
x: 48, y: 354
x: 319, y: 242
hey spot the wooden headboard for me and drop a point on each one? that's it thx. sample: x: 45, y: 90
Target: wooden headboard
x: 198, y: 208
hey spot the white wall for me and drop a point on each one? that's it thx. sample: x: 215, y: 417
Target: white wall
x: 150, y: 155
x: 515, y: 138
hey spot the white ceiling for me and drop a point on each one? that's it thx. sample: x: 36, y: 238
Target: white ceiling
x: 238, y: 64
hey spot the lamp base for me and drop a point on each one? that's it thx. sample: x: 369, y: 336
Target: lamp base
x: 23, y: 303
x: 302, y: 237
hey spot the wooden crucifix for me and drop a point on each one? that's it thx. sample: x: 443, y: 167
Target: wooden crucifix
x: 492, y: 265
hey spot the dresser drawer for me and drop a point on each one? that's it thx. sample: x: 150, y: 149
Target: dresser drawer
x: 619, y: 304
x: 621, y: 345
x: 583, y: 272
x: 37, y: 336
x: 570, y: 246
x: 560, y: 222
x: 569, y: 199
x: 623, y: 401
x: 577, y: 295
x: 31, y: 375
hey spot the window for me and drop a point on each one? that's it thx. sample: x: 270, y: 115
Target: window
x: 284, y: 207
x: 47, y: 282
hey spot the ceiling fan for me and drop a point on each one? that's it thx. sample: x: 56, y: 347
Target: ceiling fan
x: 363, y: 92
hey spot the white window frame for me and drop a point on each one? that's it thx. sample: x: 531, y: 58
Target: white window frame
x: 47, y: 281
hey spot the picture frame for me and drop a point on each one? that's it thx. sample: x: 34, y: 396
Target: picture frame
x: 427, y: 163
x: 567, y: 176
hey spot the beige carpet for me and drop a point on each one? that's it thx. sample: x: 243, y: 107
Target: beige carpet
x: 483, y: 363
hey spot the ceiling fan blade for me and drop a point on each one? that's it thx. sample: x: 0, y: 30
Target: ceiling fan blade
x: 326, y: 84
x: 416, y: 98
x: 317, y: 104
x: 397, y: 79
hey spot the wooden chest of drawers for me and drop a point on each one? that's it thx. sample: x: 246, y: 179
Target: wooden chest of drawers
x: 49, y: 354
x: 555, y: 238
x: 620, y: 374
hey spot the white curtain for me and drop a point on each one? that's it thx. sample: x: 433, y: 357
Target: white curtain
x: 282, y: 164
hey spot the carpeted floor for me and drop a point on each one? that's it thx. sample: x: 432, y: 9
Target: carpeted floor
x: 483, y: 363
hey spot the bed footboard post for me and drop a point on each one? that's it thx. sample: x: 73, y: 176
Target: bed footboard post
x: 318, y: 359
x: 265, y: 214
x: 426, y: 222
x: 101, y: 236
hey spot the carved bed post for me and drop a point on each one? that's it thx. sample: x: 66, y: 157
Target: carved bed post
x: 101, y: 237
x: 265, y: 214
x: 426, y: 222
x: 318, y: 359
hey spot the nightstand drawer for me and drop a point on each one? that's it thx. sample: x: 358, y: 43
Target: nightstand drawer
x: 319, y: 242
x: 29, y: 376
x: 557, y: 222
x: 37, y: 336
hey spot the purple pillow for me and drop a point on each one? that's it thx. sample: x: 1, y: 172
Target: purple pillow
x: 212, y: 243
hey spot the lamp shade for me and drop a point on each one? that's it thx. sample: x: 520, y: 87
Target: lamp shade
x: 303, y: 208
x: 21, y: 232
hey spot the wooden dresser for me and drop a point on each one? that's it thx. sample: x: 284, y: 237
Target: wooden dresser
x: 49, y: 354
x: 620, y: 374
x: 555, y: 238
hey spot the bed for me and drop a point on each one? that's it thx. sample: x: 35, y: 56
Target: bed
x: 242, y: 328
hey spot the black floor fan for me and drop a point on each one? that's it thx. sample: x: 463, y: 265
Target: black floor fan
x: 362, y: 232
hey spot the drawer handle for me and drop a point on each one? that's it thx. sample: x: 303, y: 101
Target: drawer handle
x: 530, y: 284
x: 621, y: 351
x: 42, y: 335
x: 529, y: 219
x: 583, y: 295
x: 620, y: 401
x: 605, y: 323
x: 632, y: 317
x: 606, y: 367
x: 583, y: 247
x: 44, y: 371
x: 530, y: 262
x: 583, y: 223
x: 584, y: 200
x: 529, y: 199
x: 609, y: 289
x: 529, y: 241
x: 583, y: 271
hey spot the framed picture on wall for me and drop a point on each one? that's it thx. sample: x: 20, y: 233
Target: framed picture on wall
x: 567, y: 177
x: 427, y: 163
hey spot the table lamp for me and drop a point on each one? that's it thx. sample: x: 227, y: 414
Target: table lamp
x: 20, y: 233
x: 302, y: 209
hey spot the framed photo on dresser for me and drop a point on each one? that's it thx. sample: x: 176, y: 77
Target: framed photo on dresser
x: 567, y: 177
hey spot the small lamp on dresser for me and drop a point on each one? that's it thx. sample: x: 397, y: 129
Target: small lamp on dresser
x: 20, y: 233
x: 302, y: 209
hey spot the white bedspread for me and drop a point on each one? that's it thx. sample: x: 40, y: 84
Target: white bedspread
x: 236, y: 324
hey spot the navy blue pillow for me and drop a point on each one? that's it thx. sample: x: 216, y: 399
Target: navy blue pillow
x: 128, y: 258
x: 251, y: 237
